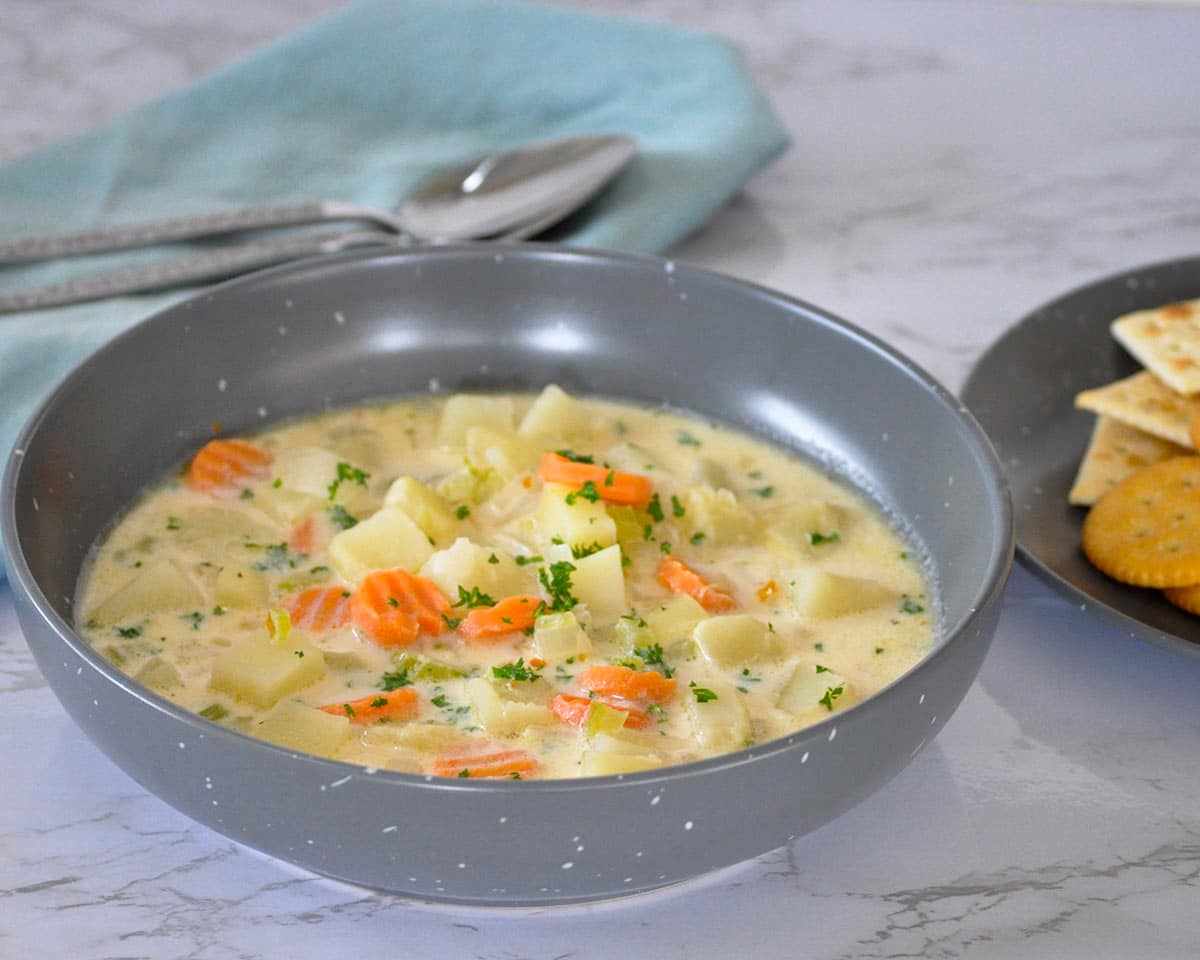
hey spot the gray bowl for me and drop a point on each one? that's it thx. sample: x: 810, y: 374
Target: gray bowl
x: 334, y: 331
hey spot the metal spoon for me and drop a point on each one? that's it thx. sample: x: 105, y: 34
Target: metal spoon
x: 487, y: 197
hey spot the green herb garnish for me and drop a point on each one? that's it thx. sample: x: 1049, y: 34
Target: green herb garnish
x: 587, y: 492
x: 340, y: 518
x: 516, y: 671
x: 558, y: 585
x: 347, y: 473
x: 473, y: 598
x: 702, y: 694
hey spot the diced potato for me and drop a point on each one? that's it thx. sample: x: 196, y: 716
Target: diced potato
x: 718, y: 515
x: 287, y: 506
x: 500, y: 716
x: 508, y: 454
x: 630, y: 458
x: 554, y: 414
x: 599, y: 582
x: 357, y: 445
x: 736, y: 639
x: 629, y: 525
x: 210, y: 530
x: 580, y: 523
x: 632, y: 633
x: 797, y: 527
x: 673, y: 619
x: 557, y: 636
x: 388, y: 538
x: 158, y: 586
x: 720, y: 722
x: 313, y: 470
x: 159, y: 674
x: 241, y: 587
x: 818, y: 593
x: 427, y: 508
x: 607, y: 755
x: 297, y: 726
x: 261, y: 672
x: 469, y: 485
x: 811, y: 686
x: 467, y: 564
x: 463, y: 411
x: 411, y: 736
x: 710, y: 473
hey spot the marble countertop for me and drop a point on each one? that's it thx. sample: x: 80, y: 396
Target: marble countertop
x: 955, y: 164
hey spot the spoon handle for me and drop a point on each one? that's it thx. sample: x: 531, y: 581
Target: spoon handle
x: 209, y: 265
x: 152, y: 232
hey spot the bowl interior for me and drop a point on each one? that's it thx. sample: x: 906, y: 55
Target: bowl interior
x: 333, y: 332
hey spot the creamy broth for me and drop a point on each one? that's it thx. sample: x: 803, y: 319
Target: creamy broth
x: 507, y: 586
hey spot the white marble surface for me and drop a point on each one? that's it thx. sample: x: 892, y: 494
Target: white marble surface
x: 955, y: 164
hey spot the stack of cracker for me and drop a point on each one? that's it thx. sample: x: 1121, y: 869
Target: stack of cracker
x: 1141, y: 473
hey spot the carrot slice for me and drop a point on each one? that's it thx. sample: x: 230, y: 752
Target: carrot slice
x: 498, y: 763
x: 678, y: 577
x: 223, y: 466
x: 574, y: 710
x: 303, y: 536
x: 399, y: 704
x: 393, y: 607
x: 320, y: 608
x: 637, y: 686
x: 612, y: 486
x: 509, y: 615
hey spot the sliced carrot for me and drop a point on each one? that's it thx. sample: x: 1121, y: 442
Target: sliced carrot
x: 497, y: 763
x: 393, y: 607
x: 574, y: 710
x: 636, y: 686
x: 304, y: 536
x: 399, y: 704
x: 612, y: 486
x: 223, y: 466
x: 509, y: 615
x: 678, y: 577
x: 320, y: 608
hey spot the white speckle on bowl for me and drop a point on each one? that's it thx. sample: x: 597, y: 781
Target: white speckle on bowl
x: 499, y: 258
x: 18, y: 452
x: 288, y: 304
x: 371, y: 770
x: 832, y: 734
x: 338, y: 783
x: 182, y: 745
x: 627, y: 880
x: 282, y: 330
x: 96, y: 703
x: 654, y: 800
x: 462, y: 866
x: 222, y: 384
x: 78, y: 670
x: 434, y: 384
x: 688, y: 825
x: 262, y: 411
x: 933, y: 720
x: 392, y: 829
x: 568, y: 865
x: 339, y: 318
x: 504, y: 819
x: 579, y: 848
x: 36, y: 506
x: 638, y: 854
x: 429, y: 778
x: 921, y: 698
x: 682, y: 296
x: 310, y: 842
x: 916, y: 749
x: 483, y: 368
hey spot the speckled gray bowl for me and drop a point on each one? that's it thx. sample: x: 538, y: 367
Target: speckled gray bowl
x: 338, y: 330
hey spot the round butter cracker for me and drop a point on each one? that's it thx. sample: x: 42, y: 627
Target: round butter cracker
x: 1146, y: 530
x: 1185, y: 598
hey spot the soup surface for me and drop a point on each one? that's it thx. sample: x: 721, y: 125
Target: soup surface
x: 506, y: 586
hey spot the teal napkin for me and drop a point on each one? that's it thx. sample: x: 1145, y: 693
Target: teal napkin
x: 362, y: 105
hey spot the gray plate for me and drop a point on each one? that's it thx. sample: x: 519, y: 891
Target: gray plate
x: 339, y: 330
x: 1023, y: 391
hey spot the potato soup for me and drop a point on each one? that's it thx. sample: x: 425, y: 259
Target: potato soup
x: 506, y: 586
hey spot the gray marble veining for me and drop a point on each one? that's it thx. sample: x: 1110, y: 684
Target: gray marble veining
x: 955, y: 164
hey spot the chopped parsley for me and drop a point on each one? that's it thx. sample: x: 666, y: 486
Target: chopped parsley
x: 214, y: 712
x: 909, y: 605
x: 575, y: 457
x: 697, y: 539
x: 702, y: 694
x: 174, y: 523
x: 665, y: 547
x: 440, y: 701
x: 816, y: 539
x: 379, y: 702
x: 393, y: 602
x: 350, y: 710
x: 683, y: 438
x: 463, y: 512
x: 395, y: 679
x: 652, y: 656
x: 473, y: 598
x: 677, y: 509
x: 128, y: 633
x: 516, y: 671
x: 522, y: 561
x: 493, y: 559
x: 340, y: 518
x: 452, y: 622
x: 347, y: 473
x: 579, y: 552
x: 654, y: 508
x: 247, y: 494
x: 558, y: 585
x: 193, y: 619
x: 832, y: 694
x: 765, y: 492
x: 277, y: 556
x: 587, y: 492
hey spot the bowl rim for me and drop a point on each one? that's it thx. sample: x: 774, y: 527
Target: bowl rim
x: 988, y: 592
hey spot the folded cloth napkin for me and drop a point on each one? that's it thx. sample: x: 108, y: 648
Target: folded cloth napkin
x: 361, y: 106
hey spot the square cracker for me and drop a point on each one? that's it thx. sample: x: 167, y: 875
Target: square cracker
x: 1145, y: 402
x: 1166, y: 340
x: 1115, y: 452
